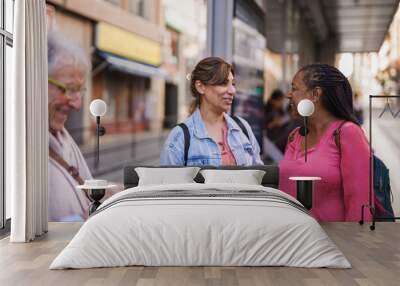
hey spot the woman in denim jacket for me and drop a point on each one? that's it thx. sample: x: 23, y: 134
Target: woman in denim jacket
x: 215, y: 138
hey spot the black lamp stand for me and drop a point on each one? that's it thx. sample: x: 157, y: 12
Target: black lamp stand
x: 305, y: 193
x: 305, y: 137
x: 96, y: 195
x: 100, y: 131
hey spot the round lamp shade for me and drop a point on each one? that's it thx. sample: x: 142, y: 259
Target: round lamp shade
x: 98, y: 107
x: 305, y: 107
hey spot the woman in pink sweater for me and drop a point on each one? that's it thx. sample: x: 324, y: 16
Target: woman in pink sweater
x: 344, y: 184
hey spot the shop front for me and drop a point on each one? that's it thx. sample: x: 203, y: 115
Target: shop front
x: 126, y: 75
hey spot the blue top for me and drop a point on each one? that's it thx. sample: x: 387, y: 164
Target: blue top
x: 204, y: 150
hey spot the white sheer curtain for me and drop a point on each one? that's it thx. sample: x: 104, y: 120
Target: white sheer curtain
x: 27, y: 123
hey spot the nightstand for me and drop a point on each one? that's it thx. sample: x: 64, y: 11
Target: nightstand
x: 304, y: 190
x: 96, y: 190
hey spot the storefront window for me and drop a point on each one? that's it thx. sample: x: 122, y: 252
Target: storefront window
x: 115, y: 2
x: 138, y: 7
x: 9, y: 11
x: 8, y: 69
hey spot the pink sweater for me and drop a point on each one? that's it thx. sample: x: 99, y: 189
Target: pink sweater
x: 344, y: 187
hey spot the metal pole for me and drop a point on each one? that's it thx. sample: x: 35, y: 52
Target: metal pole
x: 220, y: 28
x: 305, y: 138
x: 371, y: 207
x: 370, y: 151
x: 283, y: 45
x: 3, y: 44
x: 371, y: 162
x: 98, y: 142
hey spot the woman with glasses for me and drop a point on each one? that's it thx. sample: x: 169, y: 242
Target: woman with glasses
x: 67, y: 68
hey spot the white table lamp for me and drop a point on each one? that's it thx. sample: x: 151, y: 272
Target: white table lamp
x: 305, y: 108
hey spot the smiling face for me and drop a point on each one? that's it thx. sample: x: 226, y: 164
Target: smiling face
x: 218, y: 97
x: 298, y: 91
x: 62, y: 102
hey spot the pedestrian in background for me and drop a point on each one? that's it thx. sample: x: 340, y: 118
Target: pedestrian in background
x: 358, y: 108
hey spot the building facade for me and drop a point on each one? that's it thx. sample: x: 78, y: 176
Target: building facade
x: 123, y: 42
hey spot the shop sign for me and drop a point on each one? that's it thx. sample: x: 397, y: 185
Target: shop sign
x: 120, y: 42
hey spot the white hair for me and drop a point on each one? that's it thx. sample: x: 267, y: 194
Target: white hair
x: 61, y: 52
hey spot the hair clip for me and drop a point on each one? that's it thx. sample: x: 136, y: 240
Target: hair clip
x: 189, y: 76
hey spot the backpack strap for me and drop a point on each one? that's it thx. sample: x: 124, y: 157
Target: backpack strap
x: 336, y: 137
x: 186, y: 138
x: 70, y: 169
x: 186, y: 135
x: 292, y: 134
x: 241, y: 125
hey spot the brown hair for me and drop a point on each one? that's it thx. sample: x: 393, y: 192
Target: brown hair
x: 209, y: 71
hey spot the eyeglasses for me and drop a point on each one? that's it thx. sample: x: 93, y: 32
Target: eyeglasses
x: 68, y: 91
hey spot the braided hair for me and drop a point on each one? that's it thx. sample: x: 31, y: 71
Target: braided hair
x: 337, y: 95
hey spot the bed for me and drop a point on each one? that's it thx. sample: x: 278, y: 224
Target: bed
x: 201, y: 224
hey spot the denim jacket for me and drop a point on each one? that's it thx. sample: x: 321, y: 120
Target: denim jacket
x: 203, y: 150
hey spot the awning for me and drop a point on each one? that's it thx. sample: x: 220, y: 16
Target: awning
x: 358, y: 26
x: 361, y: 26
x: 131, y: 67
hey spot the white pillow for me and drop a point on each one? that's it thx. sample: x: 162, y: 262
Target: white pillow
x: 164, y: 176
x: 248, y: 177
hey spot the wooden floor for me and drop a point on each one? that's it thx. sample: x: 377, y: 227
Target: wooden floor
x: 374, y: 255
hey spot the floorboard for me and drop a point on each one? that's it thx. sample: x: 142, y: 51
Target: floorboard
x: 374, y: 255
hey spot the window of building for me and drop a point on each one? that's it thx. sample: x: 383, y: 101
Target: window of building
x: 6, y: 43
x: 115, y: 2
x: 174, y: 43
x: 139, y: 7
x: 9, y: 11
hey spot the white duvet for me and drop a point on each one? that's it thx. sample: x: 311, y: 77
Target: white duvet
x: 183, y: 231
